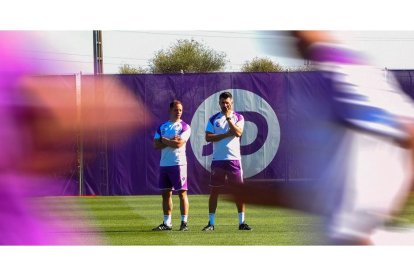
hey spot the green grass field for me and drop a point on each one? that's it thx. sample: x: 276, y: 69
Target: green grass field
x: 128, y: 220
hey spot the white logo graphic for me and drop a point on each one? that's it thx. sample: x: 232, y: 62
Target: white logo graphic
x: 244, y: 101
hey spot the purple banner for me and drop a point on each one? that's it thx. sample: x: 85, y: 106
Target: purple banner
x: 280, y: 137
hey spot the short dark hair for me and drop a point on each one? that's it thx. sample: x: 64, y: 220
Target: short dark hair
x: 174, y: 103
x: 225, y: 95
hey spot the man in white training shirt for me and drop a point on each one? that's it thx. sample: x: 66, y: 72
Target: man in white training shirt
x: 171, y: 138
x: 224, y: 130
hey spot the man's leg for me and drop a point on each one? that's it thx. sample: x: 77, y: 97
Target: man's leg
x: 217, y: 180
x: 212, y: 206
x: 167, y: 206
x: 241, y: 211
x: 184, y: 207
x: 213, y: 199
x: 166, y: 192
x: 235, y: 175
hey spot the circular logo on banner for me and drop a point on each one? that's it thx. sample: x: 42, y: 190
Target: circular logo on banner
x: 261, y: 134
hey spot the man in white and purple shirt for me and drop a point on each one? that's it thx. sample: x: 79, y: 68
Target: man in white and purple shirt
x: 224, y: 130
x: 171, y: 138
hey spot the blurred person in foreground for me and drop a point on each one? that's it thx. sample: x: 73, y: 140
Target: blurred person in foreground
x: 40, y: 122
x: 367, y: 159
x: 171, y: 138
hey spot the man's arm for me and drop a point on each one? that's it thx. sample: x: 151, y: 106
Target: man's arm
x: 234, y: 129
x: 176, y: 142
x: 211, y: 137
x: 158, y: 144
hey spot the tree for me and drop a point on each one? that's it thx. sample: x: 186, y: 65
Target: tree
x: 187, y: 56
x: 128, y: 69
x: 261, y: 65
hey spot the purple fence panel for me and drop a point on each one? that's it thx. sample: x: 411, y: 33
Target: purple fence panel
x: 282, y: 133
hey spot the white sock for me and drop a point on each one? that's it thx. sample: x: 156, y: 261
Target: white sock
x: 184, y: 218
x: 211, y: 218
x: 241, y: 217
x: 167, y: 220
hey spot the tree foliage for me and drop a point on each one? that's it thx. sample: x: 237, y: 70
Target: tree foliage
x: 128, y: 69
x: 261, y: 65
x: 187, y: 56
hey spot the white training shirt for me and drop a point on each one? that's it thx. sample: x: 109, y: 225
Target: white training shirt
x: 173, y: 156
x: 229, y: 147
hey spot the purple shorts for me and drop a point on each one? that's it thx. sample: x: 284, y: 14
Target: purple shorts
x: 224, y: 171
x: 173, y: 178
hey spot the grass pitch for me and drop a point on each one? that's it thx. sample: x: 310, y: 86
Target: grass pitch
x: 128, y: 220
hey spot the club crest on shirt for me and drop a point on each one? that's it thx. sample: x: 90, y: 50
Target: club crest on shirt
x: 217, y: 124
